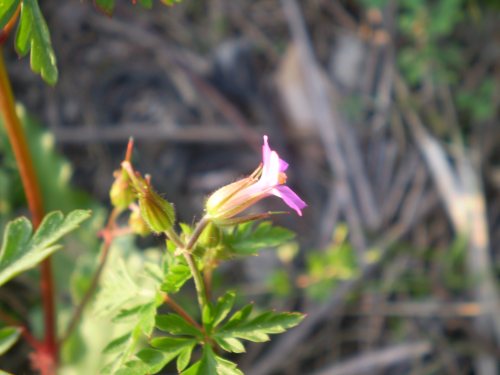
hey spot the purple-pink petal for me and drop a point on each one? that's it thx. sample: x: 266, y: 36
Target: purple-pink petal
x: 290, y: 198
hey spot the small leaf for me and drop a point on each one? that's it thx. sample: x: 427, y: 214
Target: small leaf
x: 117, y: 344
x: 176, y: 325
x: 155, y: 360
x: 248, y: 238
x: 171, y: 344
x: 259, y: 328
x: 8, y: 337
x: 223, y: 306
x: 33, y: 34
x: 176, y: 276
x: 230, y: 344
x: 20, y: 253
x: 7, y: 10
x: 211, y: 364
x: 184, y: 358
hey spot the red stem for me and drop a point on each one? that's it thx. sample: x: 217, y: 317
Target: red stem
x: 31, y: 187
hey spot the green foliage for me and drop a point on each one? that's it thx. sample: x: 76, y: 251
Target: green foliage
x: 212, y: 364
x: 8, y: 337
x: 249, y: 238
x: 107, y: 6
x: 21, y: 250
x: 33, y: 34
x: 256, y: 329
x: 327, y: 267
x: 7, y: 10
x: 478, y: 102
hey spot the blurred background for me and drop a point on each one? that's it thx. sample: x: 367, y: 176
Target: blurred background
x: 388, y: 113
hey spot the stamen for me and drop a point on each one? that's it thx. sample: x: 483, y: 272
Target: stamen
x: 282, y: 178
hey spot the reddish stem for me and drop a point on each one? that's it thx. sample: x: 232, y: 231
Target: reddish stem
x: 31, y: 187
x: 179, y: 310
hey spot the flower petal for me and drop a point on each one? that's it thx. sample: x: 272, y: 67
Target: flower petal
x: 290, y: 198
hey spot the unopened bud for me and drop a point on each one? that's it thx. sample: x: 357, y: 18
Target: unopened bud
x: 137, y: 223
x: 121, y: 192
x: 156, y: 211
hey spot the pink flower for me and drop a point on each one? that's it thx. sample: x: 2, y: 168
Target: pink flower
x: 268, y: 179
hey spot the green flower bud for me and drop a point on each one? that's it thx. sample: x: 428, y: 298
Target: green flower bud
x: 121, y: 192
x: 156, y: 211
x: 137, y: 223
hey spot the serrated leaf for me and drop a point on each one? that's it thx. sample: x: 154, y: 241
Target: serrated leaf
x: 175, y: 277
x: 211, y: 364
x: 223, y: 307
x: 248, y: 238
x: 176, y: 325
x: 106, y: 6
x: 230, y: 344
x: 259, y: 328
x: 8, y: 337
x: 155, y: 360
x: 239, y: 316
x: 184, y: 357
x: 117, y: 344
x: 20, y: 251
x: 33, y: 34
x: 7, y: 10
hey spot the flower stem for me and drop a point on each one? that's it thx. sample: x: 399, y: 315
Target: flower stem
x: 31, y: 187
x: 187, y: 252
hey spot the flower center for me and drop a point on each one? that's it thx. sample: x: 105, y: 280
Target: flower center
x: 282, y: 178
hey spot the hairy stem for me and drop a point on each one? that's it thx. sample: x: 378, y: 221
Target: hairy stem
x: 31, y: 187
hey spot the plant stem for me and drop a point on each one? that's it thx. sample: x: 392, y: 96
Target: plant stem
x: 31, y: 187
x: 198, y: 280
x: 186, y: 251
x: 179, y: 310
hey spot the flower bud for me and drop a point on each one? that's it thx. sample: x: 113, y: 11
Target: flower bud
x: 137, y: 223
x: 121, y: 193
x: 156, y: 211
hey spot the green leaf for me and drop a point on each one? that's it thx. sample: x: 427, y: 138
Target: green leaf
x: 184, y: 357
x: 259, y: 328
x: 248, y: 238
x: 223, y: 307
x: 33, y: 34
x: 117, y: 344
x: 176, y: 275
x: 155, y: 360
x: 211, y: 364
x: 106, y: 6
x: 230, y: 344
x: 7, y: 10
x: 8, y: 337
x: 21, y: 252
x: 148, y: 4
x: 176, y: 325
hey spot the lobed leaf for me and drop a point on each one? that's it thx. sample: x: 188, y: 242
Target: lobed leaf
x: 21, y: 251
x: 223, y: 307
x: 260, y: 327
x: 176, y: 325
x: 33, y: 34
x: 248, y: 238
